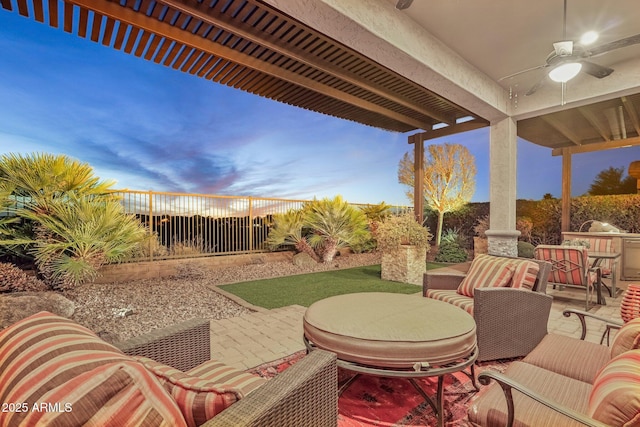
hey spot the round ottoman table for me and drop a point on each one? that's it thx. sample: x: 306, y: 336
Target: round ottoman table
x: 394, y: 335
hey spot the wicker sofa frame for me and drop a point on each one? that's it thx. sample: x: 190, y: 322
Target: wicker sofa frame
x: 509, y: 322
x: 306, y: 394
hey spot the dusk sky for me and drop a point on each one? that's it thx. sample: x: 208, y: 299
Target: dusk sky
x: 150, y: 127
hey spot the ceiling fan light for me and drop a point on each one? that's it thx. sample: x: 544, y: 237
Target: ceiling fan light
x: 565, y: 72
x: 588, y: 38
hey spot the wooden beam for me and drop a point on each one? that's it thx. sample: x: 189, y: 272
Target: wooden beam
x: 591, y: 117
x: 598, y: 146
x: 212, y: 17
x: 562, y: 128
x: 452, y: 129
x: 418, y: 182
x: 140, y: 20
x: 633, y: 114
x: 566, y: 191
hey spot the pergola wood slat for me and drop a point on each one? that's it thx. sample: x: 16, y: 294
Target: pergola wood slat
x: 38, y: 10
x: 108, y: 31
x: 83, y: 22
x: 53, y: 13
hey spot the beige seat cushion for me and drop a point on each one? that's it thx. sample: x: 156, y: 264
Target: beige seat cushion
x: 390, y: 330
x: 488, y: 408
x: 568, y: 356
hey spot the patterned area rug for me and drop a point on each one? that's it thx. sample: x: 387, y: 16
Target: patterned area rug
x: 377, y: 401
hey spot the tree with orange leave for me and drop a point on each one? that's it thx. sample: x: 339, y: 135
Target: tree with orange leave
x: 449, y: 178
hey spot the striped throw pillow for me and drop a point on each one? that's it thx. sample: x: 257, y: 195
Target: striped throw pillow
x: 525, y: 274
x: 615, y: 397
x: 65, y: 375
x: 205, y: 390
x: 627, y: 338
x: 486, y: 272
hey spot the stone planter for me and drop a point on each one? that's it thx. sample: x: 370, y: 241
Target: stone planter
x: 406, y: 264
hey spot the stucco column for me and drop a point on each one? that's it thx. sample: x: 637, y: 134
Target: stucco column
x: 502, y: 233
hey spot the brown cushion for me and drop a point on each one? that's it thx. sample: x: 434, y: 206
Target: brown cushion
x: 569, y: 356
x: 452, y: 297
x: 486, y: 272
x: 615, y: 398
x: 46, y: 358
x: 206, y: 390
x: 627, y: 338
x: 525, y: 274
x: 488, y: 408
x: 390, y: 330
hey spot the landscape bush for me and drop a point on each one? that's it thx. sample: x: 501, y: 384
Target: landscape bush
x: 451, y: 252
x: 13, y: 279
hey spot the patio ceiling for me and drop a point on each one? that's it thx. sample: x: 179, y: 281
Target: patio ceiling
x: 603, y: 125
x: 253, y: 47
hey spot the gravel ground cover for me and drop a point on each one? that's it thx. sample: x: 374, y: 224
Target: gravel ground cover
x: 119, y: 311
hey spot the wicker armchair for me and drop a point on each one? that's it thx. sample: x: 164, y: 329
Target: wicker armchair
x: 509, y: 322
x: 564, y: 381
x: 306, y: 394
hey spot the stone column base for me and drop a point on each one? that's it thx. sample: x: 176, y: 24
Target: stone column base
x: 503, y: 242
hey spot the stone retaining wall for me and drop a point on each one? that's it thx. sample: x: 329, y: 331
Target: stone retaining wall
x: 165, y: 268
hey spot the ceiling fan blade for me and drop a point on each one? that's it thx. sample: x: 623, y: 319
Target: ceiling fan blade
x: 618, y: 44
x: 523, y: 71
x: 536, y: 86
x: 596, y: 70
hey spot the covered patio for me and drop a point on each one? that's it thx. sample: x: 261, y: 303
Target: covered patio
x: 430, y: 70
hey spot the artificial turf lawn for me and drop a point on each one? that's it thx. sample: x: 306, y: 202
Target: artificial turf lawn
x: 305, y: 289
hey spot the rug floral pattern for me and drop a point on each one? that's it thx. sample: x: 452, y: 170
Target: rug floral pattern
x: 394, y: 402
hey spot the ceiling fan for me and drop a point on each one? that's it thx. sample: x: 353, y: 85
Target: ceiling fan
x: 568, y: 58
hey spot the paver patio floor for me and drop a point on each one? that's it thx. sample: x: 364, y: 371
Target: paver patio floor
x: 251, y: 340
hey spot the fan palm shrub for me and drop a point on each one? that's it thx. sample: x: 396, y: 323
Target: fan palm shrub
x: 287, y: 229
x: 335, y: 224
x: 320, y: 228
x: 77, y: 223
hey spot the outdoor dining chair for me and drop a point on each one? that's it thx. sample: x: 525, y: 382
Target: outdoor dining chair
x: 570, y: 267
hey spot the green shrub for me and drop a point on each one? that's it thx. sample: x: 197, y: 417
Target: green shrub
x: 451, y: 252
x: 525, y: 249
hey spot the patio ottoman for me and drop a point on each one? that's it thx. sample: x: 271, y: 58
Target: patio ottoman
x: 390, y: 330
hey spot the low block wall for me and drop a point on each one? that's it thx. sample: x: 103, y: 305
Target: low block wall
x: 166, y: 268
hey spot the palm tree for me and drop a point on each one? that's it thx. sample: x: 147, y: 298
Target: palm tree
x: 335, y: 224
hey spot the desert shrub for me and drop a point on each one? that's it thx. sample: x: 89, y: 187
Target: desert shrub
x: 525, y: 249
x: 13, y: 279
x: 451, y: 252
x: 402, y: 230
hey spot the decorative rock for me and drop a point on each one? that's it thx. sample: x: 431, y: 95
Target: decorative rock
x: 17, y: 306
x: 303, y: 259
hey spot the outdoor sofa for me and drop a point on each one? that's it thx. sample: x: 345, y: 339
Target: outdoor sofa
x: 506, y: 297
x: 56, y: 372
x: 566, y: 381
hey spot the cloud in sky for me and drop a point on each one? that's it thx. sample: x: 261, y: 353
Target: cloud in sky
x: 150, y: 127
